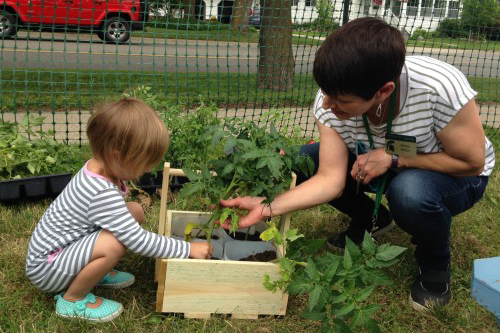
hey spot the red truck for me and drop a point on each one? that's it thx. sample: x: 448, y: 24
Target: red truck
x: 111, y: 20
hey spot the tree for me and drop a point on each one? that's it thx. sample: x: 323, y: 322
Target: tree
x: 276, y: 62
x: 479, y: 14
x: 241, y: 15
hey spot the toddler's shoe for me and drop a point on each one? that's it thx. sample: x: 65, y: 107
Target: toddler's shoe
x: 116, y: 280
x: 107, y: 311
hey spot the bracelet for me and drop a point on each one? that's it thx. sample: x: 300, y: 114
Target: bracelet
x: 394, y: 161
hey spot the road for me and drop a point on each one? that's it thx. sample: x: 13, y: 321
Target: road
x: 85, y: 51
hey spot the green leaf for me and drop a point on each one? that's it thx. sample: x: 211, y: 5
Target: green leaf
x: 363, y: 294
x: 345, y: 310
x: 314, y: 296
x: 389, y: 253
x: 339, y: 299
x: 347, y: 262
x: 312, y: 270
x: 371, y: 326
x: 269, y: 233
x: 50, y: 159
x: 353, y: 249
x: 331, y: 270
x: 313, y: 315
x: 189, y: 228
x: 274, y: 132
x: 254, y: 154
x: 291, y: 235
x: 227, y: 169
x: 369, y: 246
x: 229, y: 145
x: 274, y: 164
x: 31, y: 167
x: 299, y: 285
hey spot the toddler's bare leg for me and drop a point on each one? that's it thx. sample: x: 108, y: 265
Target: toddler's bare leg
x: 107, y: 252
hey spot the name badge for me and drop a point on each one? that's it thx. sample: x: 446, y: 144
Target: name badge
x: 402, y: 145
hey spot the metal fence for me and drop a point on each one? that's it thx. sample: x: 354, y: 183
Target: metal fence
x: 60, y: 57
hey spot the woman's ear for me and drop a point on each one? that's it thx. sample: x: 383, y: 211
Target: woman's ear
x: 386, y: 90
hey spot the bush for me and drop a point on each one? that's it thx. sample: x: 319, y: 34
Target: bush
x: 318, y: 25
x: 419, y: 33
x: 492, y: 33
x: 166, y: 22
x: 452, y: 28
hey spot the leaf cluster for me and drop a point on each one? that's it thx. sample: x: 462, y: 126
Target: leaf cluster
x: 26, y: 150
x: 338, y: 286
x: 255, y: 161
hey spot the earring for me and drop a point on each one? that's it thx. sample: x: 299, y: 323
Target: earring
x: 379, y: 110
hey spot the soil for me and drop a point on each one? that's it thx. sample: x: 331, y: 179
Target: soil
x: 262, y: 257
x: 241, y: 236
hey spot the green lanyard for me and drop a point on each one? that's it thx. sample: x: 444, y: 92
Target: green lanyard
x: 380, y: 189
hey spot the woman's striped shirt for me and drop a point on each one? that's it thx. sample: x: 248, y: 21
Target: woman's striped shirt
x: 431, y: 94
x: 86, y: 205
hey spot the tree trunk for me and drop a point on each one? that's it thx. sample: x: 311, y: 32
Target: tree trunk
x: 276, y: 62
x: 241, y: 15
x: 189, y: 8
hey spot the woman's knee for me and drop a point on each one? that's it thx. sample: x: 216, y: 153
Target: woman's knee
x: 411, y: 196
x: 136, y: 211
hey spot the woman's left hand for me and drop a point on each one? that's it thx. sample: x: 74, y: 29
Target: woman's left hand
x: 372, y: 165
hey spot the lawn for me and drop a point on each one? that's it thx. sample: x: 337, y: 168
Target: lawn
x: 304, y: 38
x: 474, y: 235
x: 81, y: 89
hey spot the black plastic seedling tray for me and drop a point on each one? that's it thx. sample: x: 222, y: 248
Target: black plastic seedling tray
x: 38, y: 187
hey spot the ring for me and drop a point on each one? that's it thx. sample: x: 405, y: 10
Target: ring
x: 361, y: 176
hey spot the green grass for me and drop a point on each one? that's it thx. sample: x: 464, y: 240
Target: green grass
x: 307, y: 38
x: 455, y: 44
x: 39, y: 89
x: 23, y: 308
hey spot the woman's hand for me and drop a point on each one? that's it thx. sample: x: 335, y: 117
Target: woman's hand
x: 256, y: 211
x: 373, y: 165
x: 201, y: 250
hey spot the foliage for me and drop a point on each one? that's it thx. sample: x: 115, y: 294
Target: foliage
x: 325, y: 20
x: 452, y: 28
x: 318, y: 25
x: 185, y: 127
x: 338, y: 286
x: 478, y: 14
x: 255, y: 162
x: 26, y: 151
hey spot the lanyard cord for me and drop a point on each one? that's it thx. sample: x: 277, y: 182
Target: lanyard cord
x: 381, y: 186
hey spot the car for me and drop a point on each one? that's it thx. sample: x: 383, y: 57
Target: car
x: 255, y: 19
x: 111, y: 20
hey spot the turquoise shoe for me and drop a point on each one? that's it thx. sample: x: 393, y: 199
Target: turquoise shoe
x: 116, y: 281
x: 107, y: 311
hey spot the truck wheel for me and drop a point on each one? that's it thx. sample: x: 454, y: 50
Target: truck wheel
x: 8, y: 26
x: 115, y: 30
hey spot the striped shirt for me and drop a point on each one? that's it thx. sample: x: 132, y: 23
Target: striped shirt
x: 88, y: 204
x: 431, y: 94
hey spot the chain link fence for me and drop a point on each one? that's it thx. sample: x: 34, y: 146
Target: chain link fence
x: 58, y: 58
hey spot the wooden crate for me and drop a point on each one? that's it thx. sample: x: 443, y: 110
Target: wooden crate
x: 199, y: 288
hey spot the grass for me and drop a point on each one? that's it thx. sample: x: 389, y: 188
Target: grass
x: 455, y: 44
x: 474, y: 235
x: 306, y: 38
x: 81, y: 89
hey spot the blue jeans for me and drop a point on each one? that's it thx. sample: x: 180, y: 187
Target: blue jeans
x: 421, y: 202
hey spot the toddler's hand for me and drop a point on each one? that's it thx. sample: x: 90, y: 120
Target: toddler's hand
x: 201, y: 250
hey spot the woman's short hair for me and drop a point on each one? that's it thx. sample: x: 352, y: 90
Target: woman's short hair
x: 131, y: 128
x: 359, y: 58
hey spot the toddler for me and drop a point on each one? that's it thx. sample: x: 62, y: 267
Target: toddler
x: 88, y: 228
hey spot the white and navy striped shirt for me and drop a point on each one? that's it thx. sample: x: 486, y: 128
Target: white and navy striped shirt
x: 87, y: 204
x: 431, y: 94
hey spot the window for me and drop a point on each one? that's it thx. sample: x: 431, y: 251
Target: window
x: 439, y: 8
x: 310, y: 3
x: 412, y: 8
x: 453, y: 9
x: 426, y: 9
x: 366, y: 6
x: 295, y: 2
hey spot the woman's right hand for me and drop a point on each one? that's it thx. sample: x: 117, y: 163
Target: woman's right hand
x: 256, y: 211
x: 201, y: 250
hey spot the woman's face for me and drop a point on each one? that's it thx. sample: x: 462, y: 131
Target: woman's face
x: 347, y: 106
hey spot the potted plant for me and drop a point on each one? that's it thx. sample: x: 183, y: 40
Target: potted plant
x: 32, y: 163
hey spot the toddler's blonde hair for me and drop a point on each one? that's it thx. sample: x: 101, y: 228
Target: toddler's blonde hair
x: 131, y: 128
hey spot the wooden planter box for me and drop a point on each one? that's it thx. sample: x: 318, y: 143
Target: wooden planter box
x: 199, y: 288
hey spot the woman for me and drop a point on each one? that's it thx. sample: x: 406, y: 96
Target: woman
x: 407, y: 127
